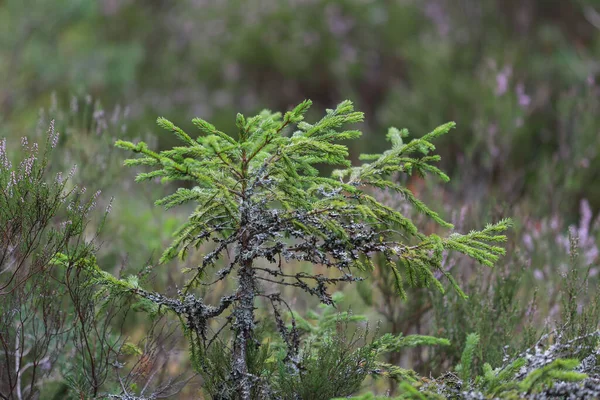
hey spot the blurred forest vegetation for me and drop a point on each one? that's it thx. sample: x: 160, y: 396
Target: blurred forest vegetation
x: 520, y: 77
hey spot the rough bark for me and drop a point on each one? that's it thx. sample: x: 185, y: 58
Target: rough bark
x: 244, y: 327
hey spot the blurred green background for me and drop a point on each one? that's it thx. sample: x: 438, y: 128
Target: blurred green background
x: 520, y: 77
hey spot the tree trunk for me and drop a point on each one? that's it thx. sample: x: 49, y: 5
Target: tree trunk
x: 244, y: 327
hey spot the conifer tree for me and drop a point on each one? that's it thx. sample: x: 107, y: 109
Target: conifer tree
x: 260, y: 196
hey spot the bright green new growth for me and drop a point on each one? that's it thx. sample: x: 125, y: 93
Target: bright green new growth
x: 274, y: 164
x: 466, y: 361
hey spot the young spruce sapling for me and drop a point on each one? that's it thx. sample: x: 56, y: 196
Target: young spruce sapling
x: 261, y: 196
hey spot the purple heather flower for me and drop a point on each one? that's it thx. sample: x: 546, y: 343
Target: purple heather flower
x: 53, y: 135
x: 72, y: 171
x: 528, y: 241
x: 4, y: 161
x: 11, y: 183
x: 94, y: 199
x: 591, y: 80
x: 502, y: 80
x: 436, y: 13
x: 339, y: 25
x: 26, y: 166
x: 100, y: 119
x: 524, y: 99
x: 109, y: 206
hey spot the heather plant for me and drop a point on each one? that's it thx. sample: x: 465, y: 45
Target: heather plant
x: 263, y: 204
x: 39, y: 219
x: 58, y: 339
x: 498, y: 306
